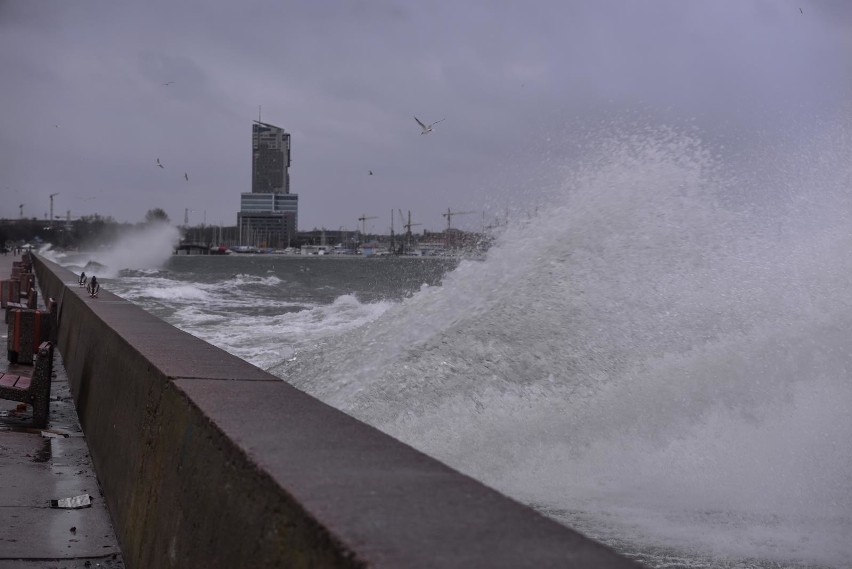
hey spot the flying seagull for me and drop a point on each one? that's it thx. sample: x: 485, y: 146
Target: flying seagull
x: 159, y: 163
x: 185, y: 175
x: 371, y: 172
x: 426, y: 129
x: 800, y: 10
x: 168, y: 83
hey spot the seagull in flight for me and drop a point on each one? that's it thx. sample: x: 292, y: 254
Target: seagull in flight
x: 167, y: 83
x: 160, y: 163
x: 371, y: 172
x: 426, y: 129
x: 185, y: 175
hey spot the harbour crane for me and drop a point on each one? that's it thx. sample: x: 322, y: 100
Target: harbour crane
x: 407, y: 227
x: 51, y: 208
x: 449, y: 215
x: 363, y: 219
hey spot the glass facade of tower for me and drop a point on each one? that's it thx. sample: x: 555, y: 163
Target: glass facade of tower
x: 268, y: 214
x: 268, y: 220
x: 270, y: 159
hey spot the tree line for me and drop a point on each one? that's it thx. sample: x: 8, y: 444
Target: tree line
x: 86, y: 231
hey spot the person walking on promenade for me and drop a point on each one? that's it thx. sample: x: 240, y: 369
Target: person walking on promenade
x: 93, y: 287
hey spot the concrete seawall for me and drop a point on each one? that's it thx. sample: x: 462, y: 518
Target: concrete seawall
x: 208, y: 461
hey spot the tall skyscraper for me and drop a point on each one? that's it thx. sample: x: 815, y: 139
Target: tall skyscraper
x: 270, y: 159
x: 268, y: 214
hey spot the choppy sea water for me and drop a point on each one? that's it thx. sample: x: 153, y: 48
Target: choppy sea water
x: 659, y: 359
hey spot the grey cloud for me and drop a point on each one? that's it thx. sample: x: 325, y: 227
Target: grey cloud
x: 516, y: 82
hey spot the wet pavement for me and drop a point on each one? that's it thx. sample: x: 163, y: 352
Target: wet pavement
x: 40, y: 465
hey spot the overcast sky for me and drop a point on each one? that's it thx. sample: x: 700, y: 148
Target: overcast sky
x: 85, y: 111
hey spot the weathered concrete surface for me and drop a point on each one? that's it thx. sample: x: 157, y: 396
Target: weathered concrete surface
x: 207, y: 461
x: 35, y: 469
x: 32, y: 475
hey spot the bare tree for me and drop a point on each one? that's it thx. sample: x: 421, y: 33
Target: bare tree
x: 156, y: 215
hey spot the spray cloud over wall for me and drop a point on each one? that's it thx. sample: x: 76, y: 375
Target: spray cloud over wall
x: 663, y: 349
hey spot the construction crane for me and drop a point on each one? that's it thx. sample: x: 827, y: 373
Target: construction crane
x: 408, y: 225
x: 407, y: 244
x: 449, y: 215
x: 51, y: 208
x: 363, y: 219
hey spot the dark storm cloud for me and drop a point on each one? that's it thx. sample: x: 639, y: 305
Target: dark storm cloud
x: 514, y: 80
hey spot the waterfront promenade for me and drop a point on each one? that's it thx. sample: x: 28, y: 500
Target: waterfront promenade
x: 40, y: 465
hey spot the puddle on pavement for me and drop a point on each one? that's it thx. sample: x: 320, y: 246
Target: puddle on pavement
x: 44, y: 453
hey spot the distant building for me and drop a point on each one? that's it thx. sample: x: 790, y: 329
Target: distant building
x: 269, y: 214
x: 270, y: 159
x: 268, y: 220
